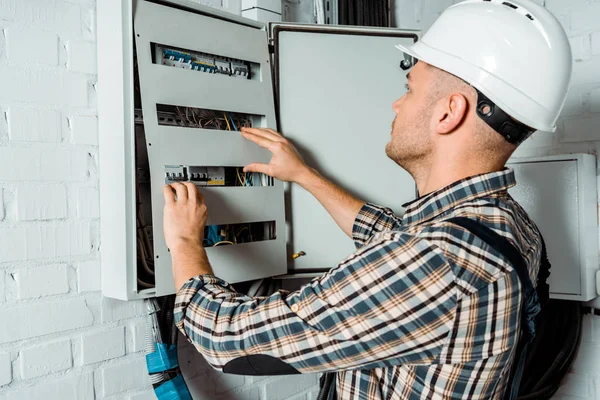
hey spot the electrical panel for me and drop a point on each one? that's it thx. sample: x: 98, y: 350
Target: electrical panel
x: 560, y: 195
x: 178, y: 80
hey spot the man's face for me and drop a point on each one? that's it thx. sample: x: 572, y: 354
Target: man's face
x: 411, y: 140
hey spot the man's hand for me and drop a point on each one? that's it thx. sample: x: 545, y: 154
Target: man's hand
x: 185, y: 215
x: 286, y: 164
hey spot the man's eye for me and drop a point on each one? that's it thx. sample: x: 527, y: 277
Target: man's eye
x: 407, y: 87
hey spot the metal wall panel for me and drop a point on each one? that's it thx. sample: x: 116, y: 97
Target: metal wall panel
x: 159, y: 84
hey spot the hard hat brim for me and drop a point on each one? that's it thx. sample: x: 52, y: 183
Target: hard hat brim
x: 407, y: 51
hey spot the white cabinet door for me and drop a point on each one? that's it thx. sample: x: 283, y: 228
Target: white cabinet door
x: 336, y: 87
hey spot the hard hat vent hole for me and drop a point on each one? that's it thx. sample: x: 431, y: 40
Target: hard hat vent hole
x: 506, y: 3
x: 529, y: 16
x: 485, y: 109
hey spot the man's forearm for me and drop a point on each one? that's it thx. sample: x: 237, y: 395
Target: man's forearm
x: 189, y: 260
x: 341, y: 205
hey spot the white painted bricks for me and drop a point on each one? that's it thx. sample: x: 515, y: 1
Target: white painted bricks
x: 53, y: 337
x: 88, y: 276
x: 75, y: 387
x: 85, y: 130
x: 41, y: 203
x: 36, y: 164
x: 32, y: 45
x: 5, y: 369
x: 42, y: 318
x: 47, y: 359
x: 88, y: 203
x: 124, y: 376
x: 34, y: 125
x: 103, y: 346
x: 82, y: 56
x: 42, y: 281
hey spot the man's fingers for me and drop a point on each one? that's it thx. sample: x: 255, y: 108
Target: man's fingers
x: 257, y: 167
x: 265, y: 133
x: 181, y: 189
x: 192, y: 191
x: 274, y: 132
x: 260, y: 140
x: 169, y: 194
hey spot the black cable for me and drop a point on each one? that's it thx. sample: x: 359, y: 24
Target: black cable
x: 363, y: 12
x: 326, y: 382
x: 553, y: 350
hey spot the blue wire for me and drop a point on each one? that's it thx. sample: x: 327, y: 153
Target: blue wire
x: 234, y: 127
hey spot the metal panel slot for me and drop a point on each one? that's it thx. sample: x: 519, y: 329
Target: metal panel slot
x: 192, y: 117
x: 216, y: 176
x: 204, y: 62
x: 234, y: 234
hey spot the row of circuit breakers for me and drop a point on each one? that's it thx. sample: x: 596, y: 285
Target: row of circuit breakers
x: 201, y: 176
x: 202, y: 62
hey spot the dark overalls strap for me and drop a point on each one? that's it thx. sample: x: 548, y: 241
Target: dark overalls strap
x: 531, y: 305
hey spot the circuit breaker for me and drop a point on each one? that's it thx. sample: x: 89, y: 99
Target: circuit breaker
x: 176, y: 83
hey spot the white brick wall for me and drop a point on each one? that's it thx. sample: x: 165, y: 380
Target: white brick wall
x: 577, y: 132
x: 41, y: 203
x: 5, y: 369
x: 41, y: 281
x: 34, y: 125
x: 44, y: 360
x: 103, y: 346
x: 53, y: 342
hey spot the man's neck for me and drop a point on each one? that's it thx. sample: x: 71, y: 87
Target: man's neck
x: 438, y: 175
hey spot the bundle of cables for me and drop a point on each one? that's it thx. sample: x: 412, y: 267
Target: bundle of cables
x: 161, y: 351
x: 208, y: 119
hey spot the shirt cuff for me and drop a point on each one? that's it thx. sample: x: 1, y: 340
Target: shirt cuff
x: 193, y: 290
x: 371, y: 219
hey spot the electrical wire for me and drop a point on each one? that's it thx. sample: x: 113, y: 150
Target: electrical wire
x: 234, y: 127
x: 553, y: 350
x: 227, y: 120
x: 223, y: 242
x: 143, y: 257
x: 242, y: 230
x: 144, y: 284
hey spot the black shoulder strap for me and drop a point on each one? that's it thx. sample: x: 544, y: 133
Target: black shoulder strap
x: 531, y: 305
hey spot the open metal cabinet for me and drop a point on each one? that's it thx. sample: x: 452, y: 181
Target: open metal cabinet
x: 177, y: 79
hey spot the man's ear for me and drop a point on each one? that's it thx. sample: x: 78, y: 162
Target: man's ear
x: 454, y: 111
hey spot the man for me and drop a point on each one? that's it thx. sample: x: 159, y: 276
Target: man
x: 422, y: 309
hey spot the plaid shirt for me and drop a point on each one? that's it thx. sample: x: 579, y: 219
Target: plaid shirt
x: 421, y: 310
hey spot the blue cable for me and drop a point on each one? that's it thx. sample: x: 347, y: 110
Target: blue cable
x: 231, y: 118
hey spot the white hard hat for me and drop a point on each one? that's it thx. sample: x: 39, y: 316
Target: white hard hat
x: 514, y: 52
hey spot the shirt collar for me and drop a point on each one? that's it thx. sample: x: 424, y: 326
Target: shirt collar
x: 435, y: 203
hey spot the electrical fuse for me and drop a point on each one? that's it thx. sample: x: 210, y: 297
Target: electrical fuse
x: 199, y: 175
x: 240, y: 69
x: 175, y: 173
x: 223, y: 67
x: 216, y: 176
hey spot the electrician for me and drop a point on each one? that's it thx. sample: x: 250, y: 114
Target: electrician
x: 425, y: 308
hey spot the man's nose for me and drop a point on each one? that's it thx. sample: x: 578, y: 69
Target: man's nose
x: 396, y: 106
